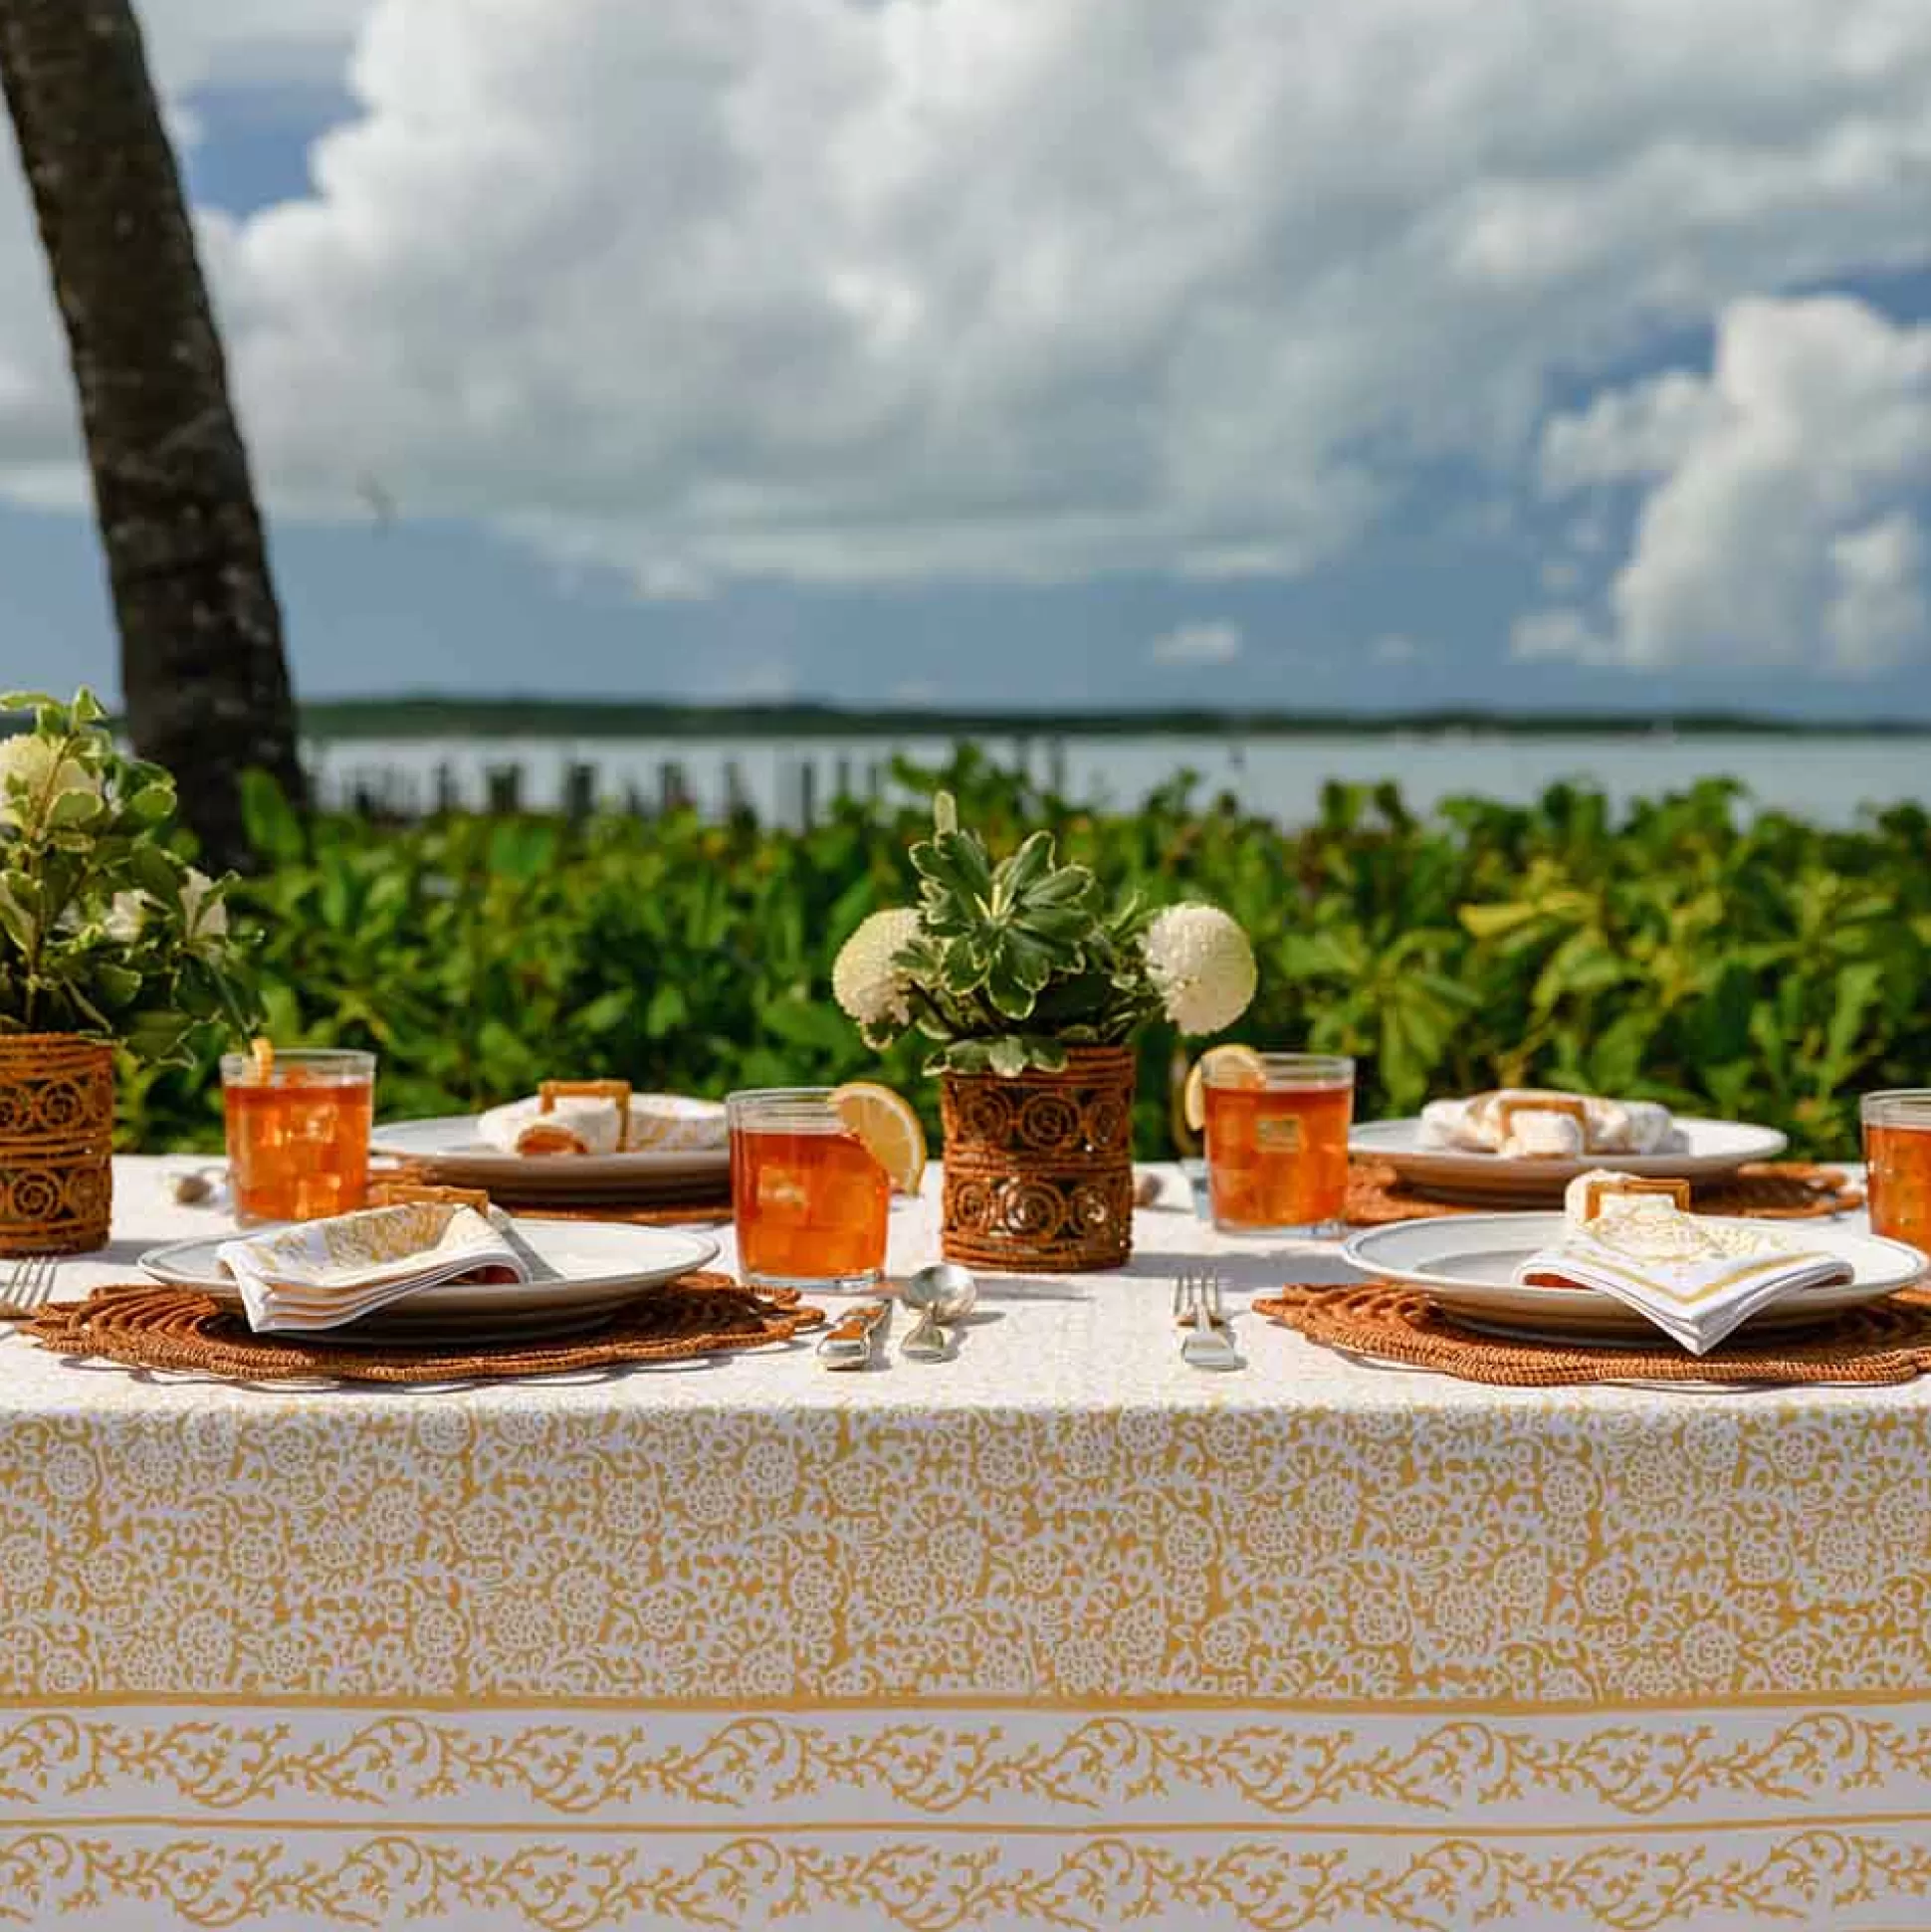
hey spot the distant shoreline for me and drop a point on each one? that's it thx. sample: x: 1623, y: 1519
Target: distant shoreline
x: 433, y: 717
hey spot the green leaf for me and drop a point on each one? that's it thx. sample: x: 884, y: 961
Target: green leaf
x: 270, y: 820
x: 1007, y: 1054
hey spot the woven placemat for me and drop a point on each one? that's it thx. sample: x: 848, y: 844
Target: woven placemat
x: 144, y: 1327
x: 1771, y: 1191
x: 1888, y: 1340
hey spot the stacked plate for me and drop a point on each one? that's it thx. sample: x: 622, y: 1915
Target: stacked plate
x: 1466, y: 1265
x: 455, y: 1155
x: 1711, y: 1151
x: 582, y: 1272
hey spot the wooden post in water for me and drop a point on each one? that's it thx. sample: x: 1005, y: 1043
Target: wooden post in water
x: 841, y: 783
x: 1056, y: 767
x: 579, y: 790
x: 736, y: 801
x: 502, y: 790
x: 447, y: 801
x: 673, y: 791
x: 807, y: 794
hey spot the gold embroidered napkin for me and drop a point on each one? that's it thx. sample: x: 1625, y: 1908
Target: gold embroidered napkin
x: 1537, y: 1123
x: 323, y: 1274
x: 602, y: 1124
x: 1695, y: 1277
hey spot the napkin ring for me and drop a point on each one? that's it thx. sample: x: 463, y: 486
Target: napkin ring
x: 615, y: 1091
x: 1598, y: 1186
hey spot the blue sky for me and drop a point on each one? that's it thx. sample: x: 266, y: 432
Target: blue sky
x: 1685, y: 472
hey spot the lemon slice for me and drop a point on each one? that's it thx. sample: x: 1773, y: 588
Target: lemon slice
x: 890, y: 1130
x: 1232, y: 1066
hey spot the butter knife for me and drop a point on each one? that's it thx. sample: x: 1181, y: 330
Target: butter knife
x: 854, y: 1337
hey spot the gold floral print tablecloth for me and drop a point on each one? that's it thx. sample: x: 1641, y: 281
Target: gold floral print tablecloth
x: 1056, y: 1635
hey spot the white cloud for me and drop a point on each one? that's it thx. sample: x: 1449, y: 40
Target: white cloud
x: 1777, y: 523
x: 1016, y: 289
x: 1198, y: 644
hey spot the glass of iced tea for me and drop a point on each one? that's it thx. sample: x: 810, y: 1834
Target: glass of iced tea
x: 809, y: 1200
x: 1277, y: 1143
x: 1897, y: 1147
x: 298, y: 1131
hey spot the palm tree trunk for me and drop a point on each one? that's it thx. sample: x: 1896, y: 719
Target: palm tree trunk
x: 203, y: 674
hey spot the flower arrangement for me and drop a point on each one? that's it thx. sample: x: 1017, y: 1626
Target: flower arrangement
x: 1008, y: 966
x: 106, y: 933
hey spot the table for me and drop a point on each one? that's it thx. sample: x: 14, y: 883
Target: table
x: 1060, y: 1633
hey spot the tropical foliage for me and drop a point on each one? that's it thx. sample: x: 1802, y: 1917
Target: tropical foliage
x: 1682, y: 948
x: 105, y: 931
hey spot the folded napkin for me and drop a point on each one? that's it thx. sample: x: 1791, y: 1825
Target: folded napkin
x: 323, y: 1274
x: 1537, y: 1123
x: 1697, y: 1279
x: 602, y: 1124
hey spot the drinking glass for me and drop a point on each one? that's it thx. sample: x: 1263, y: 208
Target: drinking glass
x: 1897, y: 1147
x: 809, y: 1200
x: 1277, y: 1149
x: 297, y: 1142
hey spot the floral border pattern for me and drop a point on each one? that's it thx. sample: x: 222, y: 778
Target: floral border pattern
x: 1082, y: 1886
x: 940, y: 1768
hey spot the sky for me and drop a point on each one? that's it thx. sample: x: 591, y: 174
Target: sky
x: 1377, y: 355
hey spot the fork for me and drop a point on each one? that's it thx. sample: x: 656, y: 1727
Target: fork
x: 1198, y: 1305
x: 29, y: 1287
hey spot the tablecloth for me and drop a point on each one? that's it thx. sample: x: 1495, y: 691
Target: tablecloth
x: 1058, y: 1633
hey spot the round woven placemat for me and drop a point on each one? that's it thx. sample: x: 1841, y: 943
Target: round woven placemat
x: 144, y: 1327
x: 1771, y: 1191
x: 689, y: 1213
x: 1887, y: 1342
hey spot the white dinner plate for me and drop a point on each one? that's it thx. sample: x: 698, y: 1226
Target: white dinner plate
x: 1466, y: 1264
x: 458, y: 1157
x: 596, y: 1267
x: 1714, y: 1148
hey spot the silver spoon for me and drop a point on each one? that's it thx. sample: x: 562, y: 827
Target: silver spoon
x: 943, y: 1293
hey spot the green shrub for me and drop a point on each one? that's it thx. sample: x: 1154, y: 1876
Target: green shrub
x: 1756, y: 968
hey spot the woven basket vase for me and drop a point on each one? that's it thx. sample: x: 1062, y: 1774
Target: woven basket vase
x: 1039, y: 1166
x: 56, y: 1119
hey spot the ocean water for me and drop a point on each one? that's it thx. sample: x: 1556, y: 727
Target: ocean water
x: 1826, y: 778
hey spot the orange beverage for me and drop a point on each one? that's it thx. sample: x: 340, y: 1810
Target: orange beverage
x: 1897, y: 1145
x: 809, y: 1201
x: 297, y: 1141
x: 1277, y: 1144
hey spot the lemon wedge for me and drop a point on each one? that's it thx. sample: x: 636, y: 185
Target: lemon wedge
x: 1231, y: 1067
x: 890, y: 1130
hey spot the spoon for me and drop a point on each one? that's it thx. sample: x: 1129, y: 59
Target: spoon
x: 943, y: 1293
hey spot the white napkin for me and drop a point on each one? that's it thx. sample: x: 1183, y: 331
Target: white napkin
x: 321, y: 1274
x: 1697, y: 1279
x: 591, y: 1124
x: 1498, y: 1123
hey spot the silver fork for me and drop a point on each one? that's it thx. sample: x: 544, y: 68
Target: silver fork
x: 1199, y: 1306
x: 29, y: 1288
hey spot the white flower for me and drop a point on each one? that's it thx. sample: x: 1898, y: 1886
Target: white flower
x: 1201, y: 966
x: 33, y: 771
x: 864, y: 981
x: 204, y: 919
x: 125, y: 916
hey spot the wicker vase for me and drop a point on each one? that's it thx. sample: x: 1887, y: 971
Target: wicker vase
x: 1039, y: 1166
x: 57, y: 1117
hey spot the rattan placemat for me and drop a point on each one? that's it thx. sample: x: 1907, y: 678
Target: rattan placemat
x: 1886, y: 1342
x: 1771, y: 1191
x: 144, y: 1327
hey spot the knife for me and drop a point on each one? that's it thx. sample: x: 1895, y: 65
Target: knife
x: 854, y: 1337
